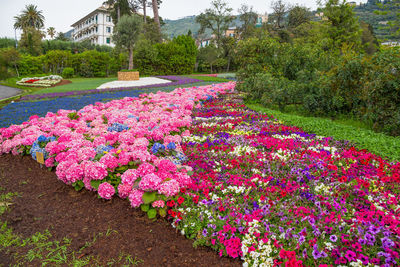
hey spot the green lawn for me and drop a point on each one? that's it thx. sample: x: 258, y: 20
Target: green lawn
x: 377, y: 143
x: 208, y: 78
x: 78, y: 84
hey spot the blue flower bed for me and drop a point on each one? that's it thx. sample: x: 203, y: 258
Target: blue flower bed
x: 18, y: 112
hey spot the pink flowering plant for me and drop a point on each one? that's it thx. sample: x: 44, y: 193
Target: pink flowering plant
x: 128, y: 147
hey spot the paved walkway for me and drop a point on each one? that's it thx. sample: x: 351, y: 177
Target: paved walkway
x: 6, y: 92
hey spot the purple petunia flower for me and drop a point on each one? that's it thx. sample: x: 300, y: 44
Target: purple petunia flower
x: 333, y: 238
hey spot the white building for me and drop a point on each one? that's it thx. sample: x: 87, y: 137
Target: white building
x: 97, y: 27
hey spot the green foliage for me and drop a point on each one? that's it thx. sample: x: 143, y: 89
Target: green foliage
x: 73, y: 116
x: 73, y: 47
x: 298, y: 15
x: 30, y: 65
x: 377, y: 143
x: 68, y: 72
x: 91, y: 63
x: 31, y: 41
x: 78, y: 185
x: 343, y: 24
x: 382, y: 92
x: 175, y: 57
x: 322, y: 81
x: 217, y: 18
x: 56, y: 60
x: 9, y: 58
x: 7, y: 42
x: 126, y: 34
x: 152, y: 213
x: 95, y: 183
x: 30, y: 17
x: 149, y: 197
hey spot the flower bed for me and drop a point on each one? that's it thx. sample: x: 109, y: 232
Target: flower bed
x: 277, y: 196
x: 129, y: 147
x: 18, y: 112
x: 45, y: 81
x: 175, y: 81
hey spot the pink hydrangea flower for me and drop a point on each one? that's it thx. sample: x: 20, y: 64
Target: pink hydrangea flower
x: 135, y: 197
x: 106, y: 190
x: 158, y: 204
x: 145, y: 168
x: 129, y: 177
x: 150, y: 182
x: 169, y: 188
x: 124, y: 190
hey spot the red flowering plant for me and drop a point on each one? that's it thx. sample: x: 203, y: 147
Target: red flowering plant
x: 272, y: 194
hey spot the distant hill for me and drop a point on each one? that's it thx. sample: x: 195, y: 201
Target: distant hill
x: 68, y: 34
x: 173, y: 28
x: 366, y: 13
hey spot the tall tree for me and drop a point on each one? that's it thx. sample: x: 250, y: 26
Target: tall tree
x: 248, y: 18
x: 217, y: 18
x: 30, y: 17
x: 51, y: 31
x: 118, y: 8
x: 280, y: 8
x: 31, y: 41
x: 391, y: 8
x: 298, y: 15
x: 343, y: 26
x: 156, y: 16
x: 127, y: 32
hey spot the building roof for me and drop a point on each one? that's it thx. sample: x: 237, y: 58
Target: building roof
x: 99, y: 9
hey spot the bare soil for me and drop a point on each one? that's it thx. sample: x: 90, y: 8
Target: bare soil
x: 47, y: 203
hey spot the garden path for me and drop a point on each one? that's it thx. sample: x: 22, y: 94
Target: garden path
x: 6, y: 92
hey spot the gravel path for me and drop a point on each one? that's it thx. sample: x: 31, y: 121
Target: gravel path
x: 6, y: 92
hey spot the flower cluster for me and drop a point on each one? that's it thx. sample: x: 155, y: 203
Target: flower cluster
x: 45, y: 81
x: 110, y: 147
x: 274, y: 195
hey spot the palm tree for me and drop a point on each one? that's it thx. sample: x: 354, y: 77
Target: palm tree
x: 156, y: 16
x: 30, y: 17
x: 51, y: 31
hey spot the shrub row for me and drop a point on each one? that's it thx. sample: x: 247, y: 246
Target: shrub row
x: 323, y: 83
x: 175, y: 57
x: 90, y: 63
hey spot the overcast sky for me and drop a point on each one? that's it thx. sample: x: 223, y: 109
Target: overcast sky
x: 60, y: 14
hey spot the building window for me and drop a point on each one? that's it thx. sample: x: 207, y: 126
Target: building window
x: 97, y: 29
x: 108, y: 40
x: 108, y: 19
x: 108, y: 29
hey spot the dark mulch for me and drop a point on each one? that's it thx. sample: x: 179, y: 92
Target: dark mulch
x: 47, y: 203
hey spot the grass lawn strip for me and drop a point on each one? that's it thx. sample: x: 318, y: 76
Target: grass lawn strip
x: 378, y: 143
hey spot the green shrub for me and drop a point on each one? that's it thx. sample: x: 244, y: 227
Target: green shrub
x: 30, y: 64
x: 68, y: 72
x: 56, y: 60
x: 175, y: 57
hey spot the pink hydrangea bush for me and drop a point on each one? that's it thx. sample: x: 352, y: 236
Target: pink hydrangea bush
x: 128, y: 147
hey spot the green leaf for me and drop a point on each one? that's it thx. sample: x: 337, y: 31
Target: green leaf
x: 121, y: 169
x: 149, y: 197
x: 190, y: 173
x: 95, y: 183
x: 162, y: 212
x: 152, y: 213
x: 78, y: 185
x: 145, y: 207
